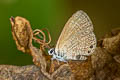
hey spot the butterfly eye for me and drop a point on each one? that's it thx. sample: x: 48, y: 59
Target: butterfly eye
x: 51, y: 51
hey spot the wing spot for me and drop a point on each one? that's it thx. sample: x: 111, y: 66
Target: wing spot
x: 88, y: 51
x: 91, y: 46
x: 78, y: 57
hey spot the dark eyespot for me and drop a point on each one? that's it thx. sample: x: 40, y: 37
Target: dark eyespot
x: 88, y: 51
x: 91, y: 46
x: 61, y: 55
x: 58, y: 54
x: 78, y: 57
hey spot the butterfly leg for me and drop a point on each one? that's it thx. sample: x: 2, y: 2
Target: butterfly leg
x: 52, y: 59
x: 62, y: 59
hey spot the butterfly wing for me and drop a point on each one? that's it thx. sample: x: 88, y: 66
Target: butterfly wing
x: 77, y: 37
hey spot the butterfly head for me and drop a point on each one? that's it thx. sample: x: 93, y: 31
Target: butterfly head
x: 51, y: 51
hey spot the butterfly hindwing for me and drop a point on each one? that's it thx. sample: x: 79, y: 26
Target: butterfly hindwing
x: 77, y: 37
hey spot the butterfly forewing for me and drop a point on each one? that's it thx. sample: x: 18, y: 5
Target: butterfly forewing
x: 77, y: 37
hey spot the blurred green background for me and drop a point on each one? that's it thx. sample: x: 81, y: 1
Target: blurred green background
x: 52, y: 14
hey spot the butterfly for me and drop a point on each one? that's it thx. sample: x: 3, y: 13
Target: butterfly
x: 77, y: 39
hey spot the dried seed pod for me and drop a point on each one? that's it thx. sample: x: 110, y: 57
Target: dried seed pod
x: 22, y: 33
